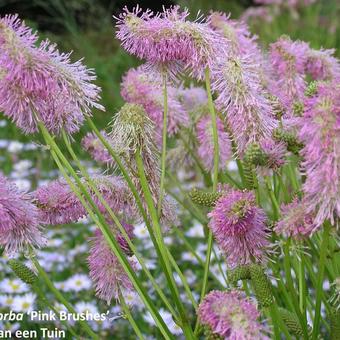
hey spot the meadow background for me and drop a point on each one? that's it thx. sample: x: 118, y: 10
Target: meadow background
x: 87, y: 28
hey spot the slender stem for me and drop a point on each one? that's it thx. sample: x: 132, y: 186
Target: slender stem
x: 291, y: 288
x: 61, y: 298
x: 118, y: 223
x: 164, y: 141
x: 214, y: 128
x: 105, y: 228
x: 302, y: 286
x: 129, y: 316
x: 321, y: 272
x: 277, y: 320
x: 159, y: 237
x: 184, y: 281
x: 206, y: 273
x: 273, y: 199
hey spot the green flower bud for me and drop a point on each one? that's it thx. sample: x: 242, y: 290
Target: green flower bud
x: 239, y: 273
x: 23, y: 272
x: 298, y: 109
x: 292, y: 322
x: 311, y: 89
x: 209, y: 335
x: 261, y: 285
x: 207, y: 199
x: 334, y: 317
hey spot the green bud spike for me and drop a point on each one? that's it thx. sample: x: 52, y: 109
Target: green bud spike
x: 298, y: 109
x: 239, y: 273
x: 23, y: 272
x: 311, y: 89
x: 292, y: 322
x: 207, y: 199
x: 255, y: 155
x: 209, y: 335
x: 249, y: 175
x: 293, y: 145
x: 334, y: 317
x: 261, y: 286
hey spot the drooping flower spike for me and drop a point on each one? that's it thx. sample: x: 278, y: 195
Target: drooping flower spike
x: 141, y: 88
x: 19, y: 219
x: 231, y: 315
x: 242, y: 98
x: 319, y: 130
x: 106, y: 271
x: 40, y: 83
x: 167, y: 40
x: 238, y: 226
x: 288, y: 60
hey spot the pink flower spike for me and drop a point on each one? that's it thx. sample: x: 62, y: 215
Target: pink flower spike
x: 238, y: 226
x: 19, y: 219
x: 231, y: 315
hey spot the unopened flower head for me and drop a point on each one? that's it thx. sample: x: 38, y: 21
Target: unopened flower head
x: 96, y: 149
x: 106, y: 271
x: 241, y: 98
x: 319, y: 130
x: 19, y: 219
x: 238, y: 226
x: 139, y: 87
x: 57, y: 203
x: 296, y: 221
x: 231, y: 315
x: 206, y: 143
x: 40, y: 83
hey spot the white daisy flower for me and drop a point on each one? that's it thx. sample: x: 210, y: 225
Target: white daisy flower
x: 78, y: 282
x: 13, y: 286
x: 24, y: 303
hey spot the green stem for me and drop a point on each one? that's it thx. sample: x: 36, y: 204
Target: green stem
x: 164, y: 140
x: 291, y: 288
x: 214, y: 128
x: 117, y: 222
x: 159, y: 237
x: 128, y: 315
x: 206, y: 274
x: 321, y: 272
x: 104, y: 227
x: 61, y: 298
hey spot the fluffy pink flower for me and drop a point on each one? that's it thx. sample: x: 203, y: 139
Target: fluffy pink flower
x: 231, y: 315
x: 96, y: 149
x: 106, y: 271
x: 242, y: 98
x: 19, y: 219
x: 319, y: 130
x: 295, y: 221
x: 288, y: 59
x: 40, y: 81
x: 168, y: 39
x: 139, y: 87
x: 57, y: 203
x: 257, y: 13
x: 238, y: 226
x: 206, y: 143
x: 322, y: 65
